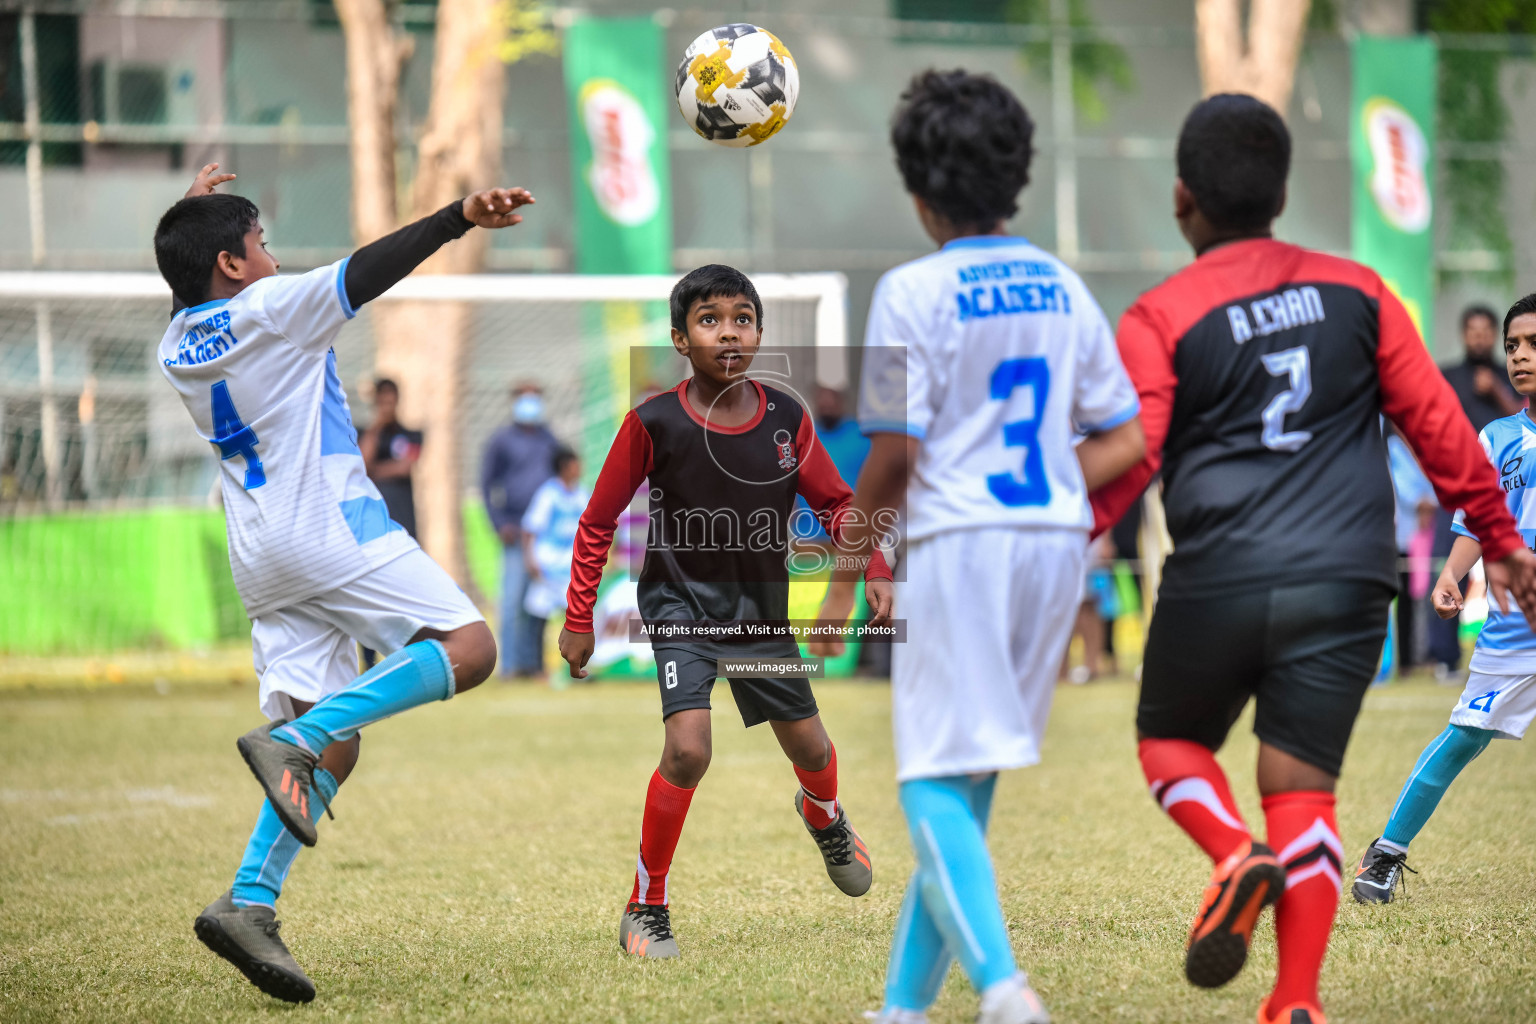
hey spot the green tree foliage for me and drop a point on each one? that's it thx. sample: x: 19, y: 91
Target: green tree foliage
x: 1095, y: 62
x: 1472, y: 110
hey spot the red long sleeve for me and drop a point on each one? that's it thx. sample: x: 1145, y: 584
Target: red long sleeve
x: 828, y: 495
x: 1148, y: 357
x: 629, y: 462
x: 1416, y: 397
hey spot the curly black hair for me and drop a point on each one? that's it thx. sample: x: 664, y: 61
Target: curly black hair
x: 1234, y: 156
x: 963, y: 145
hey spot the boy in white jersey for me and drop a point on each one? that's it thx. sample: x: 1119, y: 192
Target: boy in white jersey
x: 984, y: 363
x: 1499, y: 700
x: 316, y: 559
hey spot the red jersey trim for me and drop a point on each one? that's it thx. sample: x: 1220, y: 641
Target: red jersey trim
x: 762, y: 410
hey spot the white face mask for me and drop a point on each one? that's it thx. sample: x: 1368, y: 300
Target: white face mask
x: 528, y: 410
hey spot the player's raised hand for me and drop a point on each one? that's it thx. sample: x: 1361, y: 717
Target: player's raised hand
x: 207, y: 181
x: 576, y: 649
x: 496, y: 207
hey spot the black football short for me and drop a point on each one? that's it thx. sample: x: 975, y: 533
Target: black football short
x: 1306, y: 654
x: 687, y: 676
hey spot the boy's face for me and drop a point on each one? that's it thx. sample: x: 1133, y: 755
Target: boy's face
x: 1520, y: 353
x: 570, y: 472
x: 243, y: 271
x: 722, y: 337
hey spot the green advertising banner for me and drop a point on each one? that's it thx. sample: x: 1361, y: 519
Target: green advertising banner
x: 619, y: 105
x: 620, y: 109
x: 1392, y: 149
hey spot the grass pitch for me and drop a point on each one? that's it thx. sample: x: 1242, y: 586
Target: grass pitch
x: 484, y: 848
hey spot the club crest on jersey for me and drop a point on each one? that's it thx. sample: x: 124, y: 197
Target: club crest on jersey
x: 785, y: 444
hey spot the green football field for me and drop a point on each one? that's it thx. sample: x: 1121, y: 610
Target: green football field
x: 484, y: 848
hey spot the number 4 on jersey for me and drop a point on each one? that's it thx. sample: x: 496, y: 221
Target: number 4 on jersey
x: 235, y: 438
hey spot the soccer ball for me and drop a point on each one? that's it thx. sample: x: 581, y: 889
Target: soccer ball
x: 737, y: 85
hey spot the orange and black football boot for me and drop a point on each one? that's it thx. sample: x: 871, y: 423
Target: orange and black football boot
x: 1241, y: 887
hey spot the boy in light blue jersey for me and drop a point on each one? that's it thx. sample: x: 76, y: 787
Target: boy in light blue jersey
x: 315, y: 557
x: 1499, y: 700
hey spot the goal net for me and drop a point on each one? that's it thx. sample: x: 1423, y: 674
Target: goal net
x: 110, y: 535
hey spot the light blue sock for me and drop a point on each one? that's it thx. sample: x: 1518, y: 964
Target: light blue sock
x: 1435, y: 770
x: 272, y: 849
x: 919, y: 959
x: 412, y: 675
x: 945, y: 817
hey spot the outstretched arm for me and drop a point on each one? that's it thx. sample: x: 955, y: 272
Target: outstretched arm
x: 629, y: 462
x: 379, y: 265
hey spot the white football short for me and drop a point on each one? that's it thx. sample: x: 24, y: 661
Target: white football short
x: 1505, y: 704
x: 306, y: 651
x: 989, y: 613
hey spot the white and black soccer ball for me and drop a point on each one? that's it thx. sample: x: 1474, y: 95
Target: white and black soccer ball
x: 737, y: 85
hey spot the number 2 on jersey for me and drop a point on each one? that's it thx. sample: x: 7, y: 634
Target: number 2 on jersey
x: 1295, y: 363
x: 1034, y: 373
x: 235, y: 438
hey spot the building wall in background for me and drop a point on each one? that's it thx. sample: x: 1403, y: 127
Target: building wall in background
x: 823, y: 195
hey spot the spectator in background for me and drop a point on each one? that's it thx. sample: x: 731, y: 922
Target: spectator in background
x: 1479, y: 379
x: 839, y: 434
x: 389, y: 451
x: 1416, y: 508
x: 518, y: 458
x: 1483, y: 387
x: 549, y: 540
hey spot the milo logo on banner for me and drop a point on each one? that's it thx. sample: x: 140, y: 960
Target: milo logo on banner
x: 1400, y: 154
x: 1392, y: 152
x: 622, y: 179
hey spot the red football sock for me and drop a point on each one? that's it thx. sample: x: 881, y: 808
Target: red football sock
x: 1305, y: 836
x: 666, y: 807
x: 819, y: 786
x: 1192, y: 788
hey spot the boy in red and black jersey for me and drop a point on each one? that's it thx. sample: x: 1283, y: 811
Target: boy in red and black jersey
x: 1263, y: 371
x: 724, y: 458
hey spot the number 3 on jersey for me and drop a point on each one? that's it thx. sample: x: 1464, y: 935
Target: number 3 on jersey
x: 1033, y: 373
x: 235, y: 438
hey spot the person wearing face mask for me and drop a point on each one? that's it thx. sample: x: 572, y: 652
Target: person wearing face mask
x: 518, y: 459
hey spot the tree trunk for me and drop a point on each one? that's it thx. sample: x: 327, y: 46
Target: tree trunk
x: 376, y: 55
x: 425, y: 344
x: 1266, y: 65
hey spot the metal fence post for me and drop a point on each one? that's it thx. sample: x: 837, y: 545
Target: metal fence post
x: 32, y: 112
x: 1064, y: 132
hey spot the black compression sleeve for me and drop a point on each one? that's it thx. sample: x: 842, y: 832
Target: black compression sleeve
x: 376, y: 267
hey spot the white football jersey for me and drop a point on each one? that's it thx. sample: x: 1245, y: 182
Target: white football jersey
x: 993, y: 353
x: 258, y: 376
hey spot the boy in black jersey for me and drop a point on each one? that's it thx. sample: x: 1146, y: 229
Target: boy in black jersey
x: 724, y: 457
